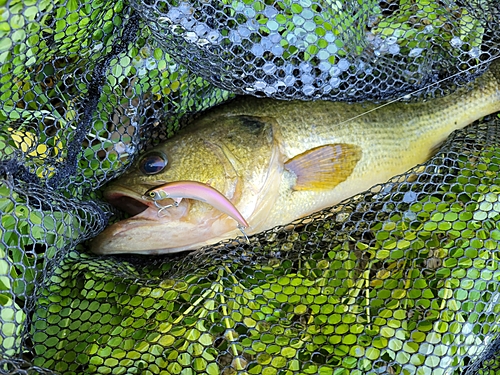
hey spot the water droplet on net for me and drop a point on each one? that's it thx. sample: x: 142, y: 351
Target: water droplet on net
x: 260, y: 85
x: 243, y: 31
x: 474, y: 52
x: 185, y: 8
x: 289, y: 81
x: 187, y: 22
x: 298, y: 20
x: 257, y: 50
x: 308, y: 90
x: 306, y: 78
x: 174, y: 15
x: 334, y: 82
x: 332, y: 49
x: 414, y: 52
x: 335, y: 71
x: 270, y: 90
x: 234, y: 36
x: 272, y: 25
x: 324, y: 55
x: 277, y: 50
x: 343, y: 64
x: 456, y: 42
x: 201, y: 30
x: 291, y: 38
x: 394, y: 49
x: 269, y: 68
x: 275, y: 37
x: 305, y: 67
x: 410, y: 196
x: 270, y: 12
x: 391, y: 40
x: 266, y: 43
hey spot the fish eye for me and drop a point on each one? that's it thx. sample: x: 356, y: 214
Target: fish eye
x: 153, y: 163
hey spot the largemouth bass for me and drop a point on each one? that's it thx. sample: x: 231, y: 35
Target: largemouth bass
x: 277, y: 161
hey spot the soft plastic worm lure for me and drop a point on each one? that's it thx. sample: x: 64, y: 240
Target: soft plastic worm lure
x: 179, y: 190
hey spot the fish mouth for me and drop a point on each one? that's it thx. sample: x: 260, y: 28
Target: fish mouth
x: 127, y: 204
x: 147, y: 232
x: 127, y: 200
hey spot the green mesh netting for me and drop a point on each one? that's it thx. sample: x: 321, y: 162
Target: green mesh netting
x: 403, y: 279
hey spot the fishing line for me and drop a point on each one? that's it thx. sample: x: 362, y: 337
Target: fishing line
x: 417, y: 91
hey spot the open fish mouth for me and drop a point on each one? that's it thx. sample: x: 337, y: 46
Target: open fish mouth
x: 127, y: 201
x: 140, y: 208
x: 128, y: 204
x: 151, y: 231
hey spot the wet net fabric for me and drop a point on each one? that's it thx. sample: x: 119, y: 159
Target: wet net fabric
x: 401, y: 280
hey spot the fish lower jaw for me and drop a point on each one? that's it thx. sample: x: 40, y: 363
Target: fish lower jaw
x: 148, y: 234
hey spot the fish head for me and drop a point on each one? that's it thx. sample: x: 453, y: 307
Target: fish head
x: 236, y: 155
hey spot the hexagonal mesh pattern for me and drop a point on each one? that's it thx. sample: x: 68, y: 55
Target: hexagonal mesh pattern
x: 402, y: 279
x: 349, y: 50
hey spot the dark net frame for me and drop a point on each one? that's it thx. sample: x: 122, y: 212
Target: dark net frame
x: 402, y: 279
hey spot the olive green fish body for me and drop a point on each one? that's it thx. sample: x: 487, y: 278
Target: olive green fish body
x: 277, y: 161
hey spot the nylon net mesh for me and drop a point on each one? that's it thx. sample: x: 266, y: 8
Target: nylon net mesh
x: 402, y: 279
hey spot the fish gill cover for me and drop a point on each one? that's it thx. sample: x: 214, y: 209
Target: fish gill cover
x: 403, y: 279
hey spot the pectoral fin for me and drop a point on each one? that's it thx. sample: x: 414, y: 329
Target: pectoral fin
x: 324, y: 167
